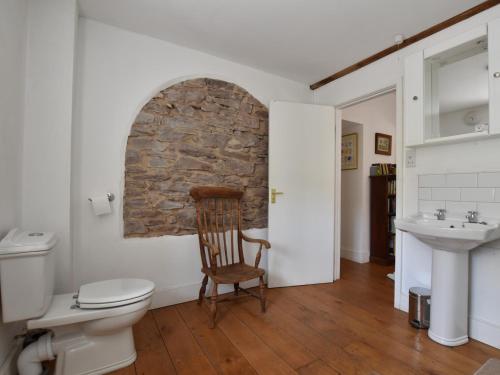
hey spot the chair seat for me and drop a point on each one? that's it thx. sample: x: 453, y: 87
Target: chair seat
x: 234, y: 273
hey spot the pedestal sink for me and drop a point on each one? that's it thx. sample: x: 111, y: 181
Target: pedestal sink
x: 451, y: 241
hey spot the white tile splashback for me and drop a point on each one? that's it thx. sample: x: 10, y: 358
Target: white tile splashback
x: 443, y: 194
x: 489, y: 179
x: 430, y: 206
x: 461, y: 180
x: 432, y: 180
x: 489, y: 209
x: 477, y: 194
x: 459, y: 208
x: 460, y: 192
x: 425, y: 194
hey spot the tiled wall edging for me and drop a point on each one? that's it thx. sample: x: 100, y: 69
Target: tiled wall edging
x: 459, y: 193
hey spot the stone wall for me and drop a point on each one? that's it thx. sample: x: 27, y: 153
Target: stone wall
x: 197, y: 132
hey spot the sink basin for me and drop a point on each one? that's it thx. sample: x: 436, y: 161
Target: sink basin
x: 450, y: 234
x: 451, y: 241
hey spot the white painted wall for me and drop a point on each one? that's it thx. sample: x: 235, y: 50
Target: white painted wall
x: 117, y: 73
x: 377, y: 115
x: 12, y: 60
x: 13, y: 14
x: 47, y: 126
x: 353, y: 246
x: 415, y: 258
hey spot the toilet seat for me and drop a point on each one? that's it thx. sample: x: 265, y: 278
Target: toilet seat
x: 99, y: 300
x: 62, y: 312
x: 113, y: 293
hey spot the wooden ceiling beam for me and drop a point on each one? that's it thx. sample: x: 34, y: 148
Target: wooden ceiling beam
x: 408, y: 41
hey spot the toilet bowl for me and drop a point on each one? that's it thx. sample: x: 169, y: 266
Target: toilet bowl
x: 86, y: 341
x: 87, y: 333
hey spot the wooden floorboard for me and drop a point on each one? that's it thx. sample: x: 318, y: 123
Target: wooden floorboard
x: 399, y: 346
x: 186, y: 354
x: 318, y: 367
x: 222, y: 354
x: 152, y: 355
x: 129, y: 370
x: 331, y: 353
x: 262, y: 358
x: 348, y: 327
x: 351, y: 335
x: 293, y: 352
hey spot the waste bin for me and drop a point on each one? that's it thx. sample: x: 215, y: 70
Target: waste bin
x: 419, y: 312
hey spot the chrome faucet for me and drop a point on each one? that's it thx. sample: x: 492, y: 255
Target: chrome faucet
x: 472, y: 216
x: 440, y: 214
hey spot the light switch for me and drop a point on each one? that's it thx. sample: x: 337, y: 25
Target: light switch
x: 411, y: 158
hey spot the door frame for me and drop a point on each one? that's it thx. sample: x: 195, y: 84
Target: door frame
x: 399, y: 136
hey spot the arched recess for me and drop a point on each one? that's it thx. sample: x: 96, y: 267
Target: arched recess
x: 197, y: 132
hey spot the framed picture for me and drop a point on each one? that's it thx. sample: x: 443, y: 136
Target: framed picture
x: 350, y: 151
x: 383, y: 144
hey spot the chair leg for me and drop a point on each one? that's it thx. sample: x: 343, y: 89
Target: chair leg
x: 203, y: 289
x: 236, y: 287
x: 213, y: 306
x: 262, y: 289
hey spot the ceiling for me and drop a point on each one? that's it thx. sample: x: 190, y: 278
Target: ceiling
x: 304, y: 40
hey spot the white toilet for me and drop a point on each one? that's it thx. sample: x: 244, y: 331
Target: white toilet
x: 89, y: 332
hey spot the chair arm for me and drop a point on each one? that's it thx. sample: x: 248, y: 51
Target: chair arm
x: 214, y: 250
x: 264, y: 243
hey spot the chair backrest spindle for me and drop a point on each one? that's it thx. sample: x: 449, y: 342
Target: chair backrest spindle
x: 231, y: 229
x: 218, y: 210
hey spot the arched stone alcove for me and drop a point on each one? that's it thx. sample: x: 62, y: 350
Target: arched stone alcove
x: 196, y: 132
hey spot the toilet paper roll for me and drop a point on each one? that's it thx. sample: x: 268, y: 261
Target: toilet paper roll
x: 101, y: 205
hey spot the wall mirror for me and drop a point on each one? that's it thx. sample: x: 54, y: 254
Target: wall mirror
x: 456, y: 90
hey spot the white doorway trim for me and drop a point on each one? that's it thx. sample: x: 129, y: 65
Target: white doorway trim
x: 398, y: 88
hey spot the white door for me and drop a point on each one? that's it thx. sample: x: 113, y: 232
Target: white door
x: 302, y: 167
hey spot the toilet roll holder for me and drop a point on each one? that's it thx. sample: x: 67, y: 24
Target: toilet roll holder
x: 111, y: 197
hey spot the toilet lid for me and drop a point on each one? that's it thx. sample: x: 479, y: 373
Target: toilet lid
x: 111, y: 293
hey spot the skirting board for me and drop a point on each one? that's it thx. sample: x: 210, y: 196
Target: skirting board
x: 186, y: 293
x: 355, y: 256
x: 172, y: 296
x: 484, y: 331
x: 9, y: 367
x: 403, y: 302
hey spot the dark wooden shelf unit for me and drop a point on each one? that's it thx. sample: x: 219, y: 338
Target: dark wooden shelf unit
x: 382, y: 213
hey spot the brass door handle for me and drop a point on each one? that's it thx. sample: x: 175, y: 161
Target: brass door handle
x: 274, y: 193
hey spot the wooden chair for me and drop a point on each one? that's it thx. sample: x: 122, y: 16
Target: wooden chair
x: 218, y: 216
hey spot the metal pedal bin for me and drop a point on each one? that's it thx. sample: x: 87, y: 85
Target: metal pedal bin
x: 419, y: 312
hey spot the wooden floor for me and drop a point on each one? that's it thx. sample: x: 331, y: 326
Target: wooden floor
x: 348, y: 327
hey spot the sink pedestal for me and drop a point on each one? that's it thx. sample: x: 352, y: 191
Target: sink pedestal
x: 450, y: 297
x: 451, y: 241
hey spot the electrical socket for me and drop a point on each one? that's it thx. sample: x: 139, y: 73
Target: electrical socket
x: 411, y: 158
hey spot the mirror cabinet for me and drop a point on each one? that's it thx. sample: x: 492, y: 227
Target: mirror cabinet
x: 452, y: 89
